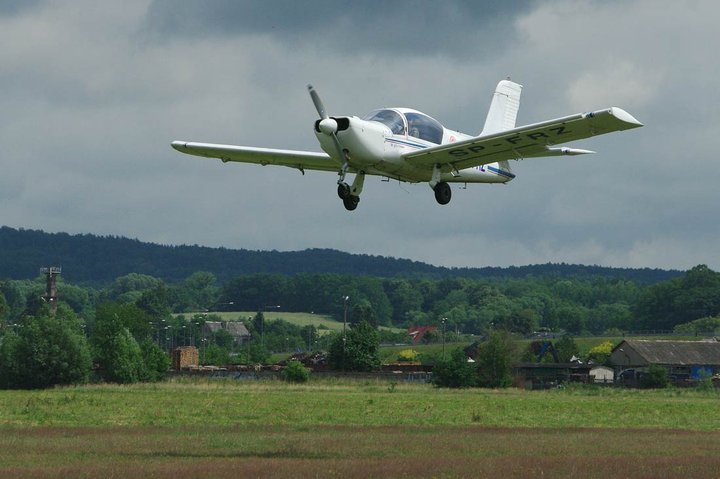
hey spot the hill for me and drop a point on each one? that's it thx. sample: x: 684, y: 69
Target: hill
x: 91, y: 259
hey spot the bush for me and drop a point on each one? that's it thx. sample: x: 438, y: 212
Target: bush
x: 656, y: 377
x: 455, y: 372
x: 295, y: 372
x: 407, y: 355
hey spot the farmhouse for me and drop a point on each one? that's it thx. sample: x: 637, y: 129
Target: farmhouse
x: 683, y: 359
x: 236, y: 328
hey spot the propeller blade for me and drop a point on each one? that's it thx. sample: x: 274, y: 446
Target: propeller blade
x: 318, y: 103
x: 328, y: 128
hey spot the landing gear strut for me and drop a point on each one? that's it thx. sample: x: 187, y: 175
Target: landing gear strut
x: 443, y: 193
x: 350, y: 195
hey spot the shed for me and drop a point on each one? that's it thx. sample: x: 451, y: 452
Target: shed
x: 684, y: 359
x: 602, y: 374
x: 547, y: 375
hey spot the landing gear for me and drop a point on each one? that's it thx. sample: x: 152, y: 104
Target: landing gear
x: 350, y: 195
x: 443, y: 193
x: 351, y: 202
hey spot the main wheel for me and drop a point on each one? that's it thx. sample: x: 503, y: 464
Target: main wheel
x: 343, y: 190
x: 443, y: 193
x: 351, y: 202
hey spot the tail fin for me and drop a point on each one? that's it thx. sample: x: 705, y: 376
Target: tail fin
x: 504, y: 108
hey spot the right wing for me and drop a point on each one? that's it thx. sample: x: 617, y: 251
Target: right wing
x: 302, y: 160
x: 524, y: 142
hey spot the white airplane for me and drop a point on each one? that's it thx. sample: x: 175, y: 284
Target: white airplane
x: 407, y: 145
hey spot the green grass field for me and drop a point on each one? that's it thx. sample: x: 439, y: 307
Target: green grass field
x: 299, y: 319
x: 223, y: 428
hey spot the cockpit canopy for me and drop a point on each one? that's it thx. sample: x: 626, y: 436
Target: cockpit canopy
x: 411, y: 123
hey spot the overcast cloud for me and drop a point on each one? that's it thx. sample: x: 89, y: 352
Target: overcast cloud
x: 92, y: 93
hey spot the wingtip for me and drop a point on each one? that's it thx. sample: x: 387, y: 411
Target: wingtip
x: 623, y: 115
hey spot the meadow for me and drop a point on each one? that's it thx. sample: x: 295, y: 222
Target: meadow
x: 361, y: 428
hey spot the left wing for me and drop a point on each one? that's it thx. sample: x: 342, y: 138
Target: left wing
x: 525, y: 141
x: 302, y: 160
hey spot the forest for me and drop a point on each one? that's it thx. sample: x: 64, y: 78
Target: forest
x: 98, y: 260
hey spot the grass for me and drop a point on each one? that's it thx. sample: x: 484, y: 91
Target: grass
x: 336, y: 428
x: 354, y: 403
x: 299, y: 319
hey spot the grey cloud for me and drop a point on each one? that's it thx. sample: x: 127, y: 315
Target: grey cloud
x: 424, y: 27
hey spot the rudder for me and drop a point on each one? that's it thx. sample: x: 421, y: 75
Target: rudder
x: 503, y: 108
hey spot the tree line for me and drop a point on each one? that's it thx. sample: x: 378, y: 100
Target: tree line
x: 127, y: 327
x: 97, y: 260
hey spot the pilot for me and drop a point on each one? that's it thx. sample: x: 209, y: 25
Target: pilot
x: 413, y: 128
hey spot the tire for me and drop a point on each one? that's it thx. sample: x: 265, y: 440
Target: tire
x: 443, y: 193
x: 351, y: 202
x: 343, y: 191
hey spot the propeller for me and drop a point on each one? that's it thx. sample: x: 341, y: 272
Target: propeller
x: 327, y: 125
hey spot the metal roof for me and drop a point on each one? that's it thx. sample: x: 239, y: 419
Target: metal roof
x: 685, y: 353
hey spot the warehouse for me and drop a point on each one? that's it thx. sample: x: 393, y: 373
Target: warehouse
x: 685, y: 360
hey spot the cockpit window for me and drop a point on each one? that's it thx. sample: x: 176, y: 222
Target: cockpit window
x: 424, y: 127
x: 389, y: 118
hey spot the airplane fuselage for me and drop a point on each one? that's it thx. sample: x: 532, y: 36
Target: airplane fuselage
x: 376, y: 145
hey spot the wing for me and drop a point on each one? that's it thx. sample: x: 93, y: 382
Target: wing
x: 302, y: 160
x: 525, y: 141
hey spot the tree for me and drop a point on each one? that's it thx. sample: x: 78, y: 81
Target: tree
x: 601, y: 353
x: 156, y: 361
x: 358, y: 350
x: 116, y: 351
x: 566, y: 348
x: 137, y: 321
x: 699, y: 326
x: 47, y: 350
x: 363, y: 311
x: 494, y: 360
x: 455, y: 372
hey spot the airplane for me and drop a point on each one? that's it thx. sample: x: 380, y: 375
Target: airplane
x: 410, y: 146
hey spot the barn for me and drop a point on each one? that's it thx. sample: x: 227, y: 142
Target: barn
x: 683, y: 359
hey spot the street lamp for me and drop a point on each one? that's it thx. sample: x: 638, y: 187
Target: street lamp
x: 345, y: 299
x: 444, y: 320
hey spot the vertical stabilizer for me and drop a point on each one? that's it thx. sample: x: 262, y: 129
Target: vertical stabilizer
x: 504, y: 108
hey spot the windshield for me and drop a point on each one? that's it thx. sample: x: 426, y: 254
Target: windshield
x: 424, y: 127
x: 389, y: 118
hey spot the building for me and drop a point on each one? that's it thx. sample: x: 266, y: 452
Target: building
x: 185, y: 357
x: 549, y: 375
x: 683, y: 359
x: 236, y: 329
x: 418, y: 332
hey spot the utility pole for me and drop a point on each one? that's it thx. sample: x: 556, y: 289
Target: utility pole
x: 51, y: 296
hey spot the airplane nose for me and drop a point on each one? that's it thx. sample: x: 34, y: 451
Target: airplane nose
x: 328, y: 126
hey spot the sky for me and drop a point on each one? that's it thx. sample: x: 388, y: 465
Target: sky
x: 92, y: 93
